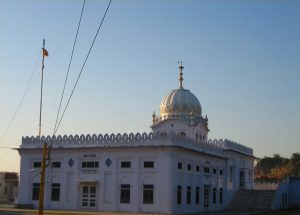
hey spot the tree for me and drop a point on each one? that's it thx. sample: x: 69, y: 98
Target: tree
x: 294, y: 165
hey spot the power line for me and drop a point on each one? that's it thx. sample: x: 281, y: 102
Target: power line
x: 4, y: 133
x: 70, y: 62
x: 100, y: 25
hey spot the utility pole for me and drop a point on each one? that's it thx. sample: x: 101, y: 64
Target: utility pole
x: 43, y: 164
x: 42, y: 182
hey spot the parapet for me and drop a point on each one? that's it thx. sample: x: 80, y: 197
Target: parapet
x: 216, y: 147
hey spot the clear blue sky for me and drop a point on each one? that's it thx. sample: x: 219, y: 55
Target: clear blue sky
x: 241, y: 58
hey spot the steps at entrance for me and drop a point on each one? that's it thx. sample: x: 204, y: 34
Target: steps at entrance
x: 253, y: 200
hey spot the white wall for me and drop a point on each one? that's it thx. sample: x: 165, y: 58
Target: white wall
x: 193, y: 178
x: 136, y: 176
x: 164, y: 176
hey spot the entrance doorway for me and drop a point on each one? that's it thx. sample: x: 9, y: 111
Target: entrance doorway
x: 88, y: 196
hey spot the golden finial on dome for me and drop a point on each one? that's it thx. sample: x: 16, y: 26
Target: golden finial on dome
x: 180, y: 67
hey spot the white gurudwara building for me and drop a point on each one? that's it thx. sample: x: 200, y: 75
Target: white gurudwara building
x: 174, y: 169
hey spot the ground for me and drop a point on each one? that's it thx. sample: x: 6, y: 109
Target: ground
x: 12, y: 211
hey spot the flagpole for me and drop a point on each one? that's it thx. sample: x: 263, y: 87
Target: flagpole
x: 43, y: 163
x: 41, y: 98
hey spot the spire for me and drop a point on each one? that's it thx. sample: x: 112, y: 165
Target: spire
x: 153, y: 117
x: 180, y: 67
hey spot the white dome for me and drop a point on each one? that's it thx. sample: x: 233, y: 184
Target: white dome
x: 180, y: 102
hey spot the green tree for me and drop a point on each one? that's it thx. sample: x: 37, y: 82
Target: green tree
x: 294, y: 165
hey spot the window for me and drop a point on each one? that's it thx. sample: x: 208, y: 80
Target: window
x: 125, y: 193
x: 198, y: 168
x: 188, y: 195
x: 55, y: 191
x: 214, y: 195
x: 221, y: 195
x: 189, y: 167
x: 206, y: 170
x: 56, y: 164
x: 285, y: 198
x: 35, y: 191
x: 197, y: 195
x: 221, y: 172
x: 214, y: 171
x: 6, y: 190
x: 125, y: 164
x: 242, y: 179
x: 37, y: 164
x: 178, y: 195
x: 148, y: 164
x: 89, y: 164
x: 231, y: 174
x: 249, y: 176
x: 182, y: 134
x: 148, y: 194
x: 179, y: 165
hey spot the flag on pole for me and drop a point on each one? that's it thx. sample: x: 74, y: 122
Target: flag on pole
x: 45, y: 52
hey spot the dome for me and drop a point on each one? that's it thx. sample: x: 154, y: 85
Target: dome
x: 180, y: 102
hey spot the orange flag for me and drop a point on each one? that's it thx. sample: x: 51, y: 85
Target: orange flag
x: 45, y: 52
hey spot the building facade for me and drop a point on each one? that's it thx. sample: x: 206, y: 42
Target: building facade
x: 8, y: 186
x: 174, y: 169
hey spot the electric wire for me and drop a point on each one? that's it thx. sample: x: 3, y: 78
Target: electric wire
x: 5, y: 148
x: 68, y: 71
x: 65, y: 84
x: 79, y: 75
x: 4, y: 133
